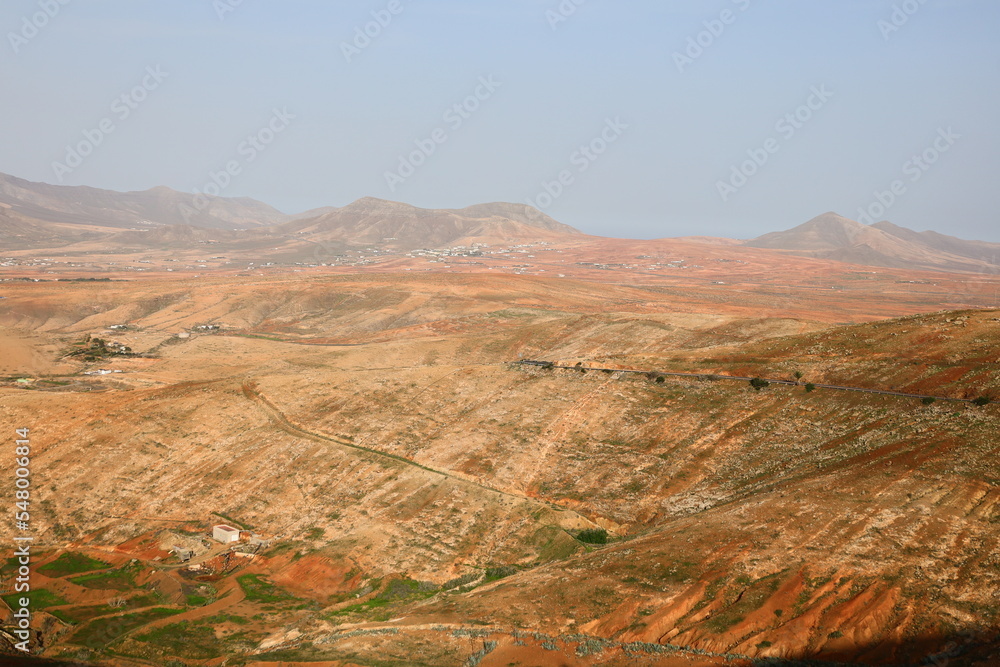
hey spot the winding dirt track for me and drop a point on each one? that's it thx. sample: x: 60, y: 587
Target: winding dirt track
x: 281, y: 421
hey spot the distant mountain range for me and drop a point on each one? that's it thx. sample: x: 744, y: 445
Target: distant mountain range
x: 884, y: 244
x: 42, y: 216
x: 105, y: 208
x: 38, y: 215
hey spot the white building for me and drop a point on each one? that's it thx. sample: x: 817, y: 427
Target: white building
x: 226, y: 534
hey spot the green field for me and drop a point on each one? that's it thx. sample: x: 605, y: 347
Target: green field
x: 115, y: 580
x: 75, y: 615
x: 258, y: 589
x: 72, y: 563
x: 98, y: 634
x: 199, y: 640
x: 40, y: 599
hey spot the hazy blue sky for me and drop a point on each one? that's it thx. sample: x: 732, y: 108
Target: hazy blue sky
x: 894, y: 95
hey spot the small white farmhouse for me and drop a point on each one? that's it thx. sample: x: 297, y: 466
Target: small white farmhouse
x: 226, y: 534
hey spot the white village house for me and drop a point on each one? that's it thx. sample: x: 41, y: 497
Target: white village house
x: 225, y: 534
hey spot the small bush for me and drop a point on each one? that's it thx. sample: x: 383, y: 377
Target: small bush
x: 810, y: 387
x: 593, y: 536
x: 928, y: 400
x: 759, y: 383
x: 982, y: 401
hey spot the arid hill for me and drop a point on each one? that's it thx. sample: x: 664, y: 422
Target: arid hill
x: 831, y: 236
x: 42, y: 216
x: 92, y: 207
x: 388, y: 224
x: 40, y: 220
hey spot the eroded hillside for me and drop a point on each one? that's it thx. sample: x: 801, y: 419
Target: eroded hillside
x: 423, y: 498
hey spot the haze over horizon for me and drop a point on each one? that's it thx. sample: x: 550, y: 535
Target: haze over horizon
x: 543, y: 83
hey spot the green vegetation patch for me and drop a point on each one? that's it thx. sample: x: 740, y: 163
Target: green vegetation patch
x: 76, y: 615
x: 39, y: 599
x: 72, y: 563
x: 258, y: 589
x: 396, y: 590
x: 498, y: 573
x: 185, y: 640
x: 593, y: 536
x: 219, y: 619
x: 101, y: 632
x: 199, y: 596
x: 122, y: 579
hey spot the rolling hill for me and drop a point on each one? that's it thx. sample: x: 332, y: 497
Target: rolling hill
x: 84, y: 221
x: 371, y: 221
x: 81, y: 205
x: 39, y: 215
x: 831, y: 236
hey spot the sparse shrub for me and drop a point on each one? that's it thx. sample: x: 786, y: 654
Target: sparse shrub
x: 496, y: 573
x: 798, y: 375
x: 836, y: 634
x: 759, y: 383
x: 458, y: 582
x: 593, y: 536
x: 810, y: 387
x: 982, y: 401
x: 660, y: 379
x: 928, y: 400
